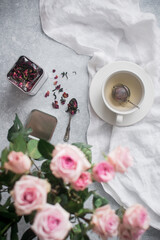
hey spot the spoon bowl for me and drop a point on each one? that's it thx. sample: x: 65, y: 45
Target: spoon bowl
x: 72, y: 109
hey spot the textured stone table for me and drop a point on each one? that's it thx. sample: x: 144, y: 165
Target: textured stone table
x: 21, y: 34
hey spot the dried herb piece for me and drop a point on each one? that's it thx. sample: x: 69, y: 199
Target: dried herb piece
x: 57, y: 88
x: 56, y: 77
x: 60, y: 90
x: 55, y: 97
x: 62, y: 100
x: 47, y: 94
x: 64, y: 74
x: 65, y: 95
x: 55, y: 105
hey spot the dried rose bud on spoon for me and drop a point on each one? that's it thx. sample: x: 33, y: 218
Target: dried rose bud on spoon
x: 72, y: 109
x: 121, y: 93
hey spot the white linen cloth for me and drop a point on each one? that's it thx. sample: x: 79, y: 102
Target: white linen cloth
x: 111, y: 30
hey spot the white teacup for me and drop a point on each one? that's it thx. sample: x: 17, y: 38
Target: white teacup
x: 137, y: 93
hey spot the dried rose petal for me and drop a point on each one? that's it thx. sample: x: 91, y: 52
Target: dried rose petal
x: 55, y: 105
x: 62, y: 100
x: 55, y: 83
x: 56, y: 77
x: 53, y: 70
x: 47, y: 94
x: 58, y: 87
x: 65, y: 95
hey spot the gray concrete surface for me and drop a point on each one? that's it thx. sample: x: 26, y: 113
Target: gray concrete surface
x: 21, y: 34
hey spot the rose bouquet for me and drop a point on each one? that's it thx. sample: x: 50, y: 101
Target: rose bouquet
x: 52, y: 197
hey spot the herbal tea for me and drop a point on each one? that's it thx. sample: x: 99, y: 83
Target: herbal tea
x: 134, y: 85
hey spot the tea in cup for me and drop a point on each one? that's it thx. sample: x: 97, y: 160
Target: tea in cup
x: 123, y: 93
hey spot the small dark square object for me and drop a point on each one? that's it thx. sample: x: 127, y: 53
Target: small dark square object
x: 42, y: 124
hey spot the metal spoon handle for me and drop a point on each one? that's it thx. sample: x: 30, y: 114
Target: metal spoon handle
x: 133, y: 104
x: 66, y: 136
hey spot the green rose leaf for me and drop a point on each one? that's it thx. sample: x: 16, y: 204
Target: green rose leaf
x: 46, y: 166
x: 120, y: 212
x: 45, y: 148
x: 99, y: 201
x: 7, y: 203
x: 4, y: 156
x: 19, y: 144
x: 32, y: 147
x: 14, y: 231
x: 74, y: 206
x: 83, y: 211
x: 18, y: 129
x: 28, y: 235
x: 85, y: 148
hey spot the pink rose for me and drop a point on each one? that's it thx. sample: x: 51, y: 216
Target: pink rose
x: 121, y: 159
x: 103, y: 172
x: 52, y: 222
x: 105, y: 222
x: 18, y: 162
x: 136, y: 217
x: 68, y: 162
x: 82, y: 182
x: 124, y: 233
x: 29, y: 193
x: 130, y: 234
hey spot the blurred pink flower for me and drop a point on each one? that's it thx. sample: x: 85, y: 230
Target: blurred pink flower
x: 103, y: 172
x: 136, y: 217
x: 105, y: 222
x: 52, y: 222
x: 82, y: 182
x: 68, y: 162
x: 130, y: 234
x: 18, y: 162
x: 29, y: 193
x: 135, y: 223
x: 121, y: 159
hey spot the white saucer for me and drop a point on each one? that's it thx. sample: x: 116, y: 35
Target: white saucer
x: 96, y: 98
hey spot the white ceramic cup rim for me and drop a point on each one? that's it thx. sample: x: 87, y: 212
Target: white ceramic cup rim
x: 127, y: 111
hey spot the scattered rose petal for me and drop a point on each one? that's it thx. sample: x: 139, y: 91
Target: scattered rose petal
x: 47, y: 94
x: 56, y: 77
x: 62, y: 100
x: 65, y: 95
x: 58, y: 87
x: 55, y: 83
x: 55, y: 104
x: 53, y: 70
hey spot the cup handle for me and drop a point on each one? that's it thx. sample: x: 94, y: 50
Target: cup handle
x: 119, y: 118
